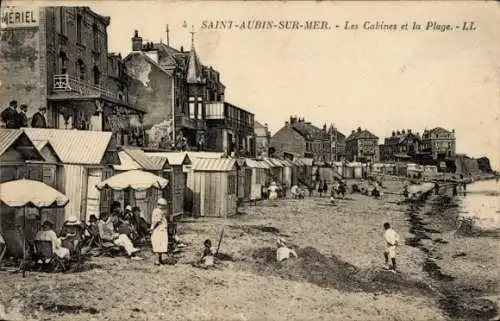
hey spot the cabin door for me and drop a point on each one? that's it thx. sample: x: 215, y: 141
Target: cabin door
x: 93, y: 194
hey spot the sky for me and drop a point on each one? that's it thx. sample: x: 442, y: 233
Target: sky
x: 376, y: 79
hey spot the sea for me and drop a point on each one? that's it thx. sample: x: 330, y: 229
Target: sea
x: 482, y: 201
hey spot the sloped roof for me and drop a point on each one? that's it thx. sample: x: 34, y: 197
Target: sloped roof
x: 309, y: 131
x: 252, y: 163
x: 214, y: 164
x: 8, y: 137
x: 127, y: 163
x: 439, y: 130
x: 142, y: 159
x: 194, y: 68
x: 193, y: 155
x: 256, y: 124
x: 74, y: 146
x: 41, y: 144
x: 173, y: 158
x: 362, y: 134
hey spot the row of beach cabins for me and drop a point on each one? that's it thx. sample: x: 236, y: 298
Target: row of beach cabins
x: 205, y: 184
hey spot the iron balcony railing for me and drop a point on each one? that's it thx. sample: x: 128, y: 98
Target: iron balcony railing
x: 66, y: 83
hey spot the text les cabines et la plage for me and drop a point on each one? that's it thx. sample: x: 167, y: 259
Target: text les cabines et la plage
x: 326, y: 25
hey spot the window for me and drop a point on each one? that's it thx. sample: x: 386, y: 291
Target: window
x: 80, y: 69
x: 96, y: 75
x: 231, y: 188
x: 192, y: 108
x: 79, y: 26
x: 214, y: 111
x: 60, y: 21
x: 95, y: 35
x: 62, y: 64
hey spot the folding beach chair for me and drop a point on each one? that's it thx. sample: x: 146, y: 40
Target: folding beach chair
x: 44, y: 256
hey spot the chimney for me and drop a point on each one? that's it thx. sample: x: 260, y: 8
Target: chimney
x: 398, y: 133
x: 287, y: 124
x: 136, y: 42
x: 403, y: 131
x: 265, y: 125
x: 353, y: 132
x: 182, y: 48
x: 409, y: 131
x: 393, y: 133
x: 359, y: 129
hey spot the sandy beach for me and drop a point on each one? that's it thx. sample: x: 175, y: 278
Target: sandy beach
x: 337, y: 276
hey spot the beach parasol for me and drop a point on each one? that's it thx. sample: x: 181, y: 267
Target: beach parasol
x: 135, y: 179
x: 25, y: 192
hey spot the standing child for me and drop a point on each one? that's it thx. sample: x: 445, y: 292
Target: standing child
x: 392, y: 239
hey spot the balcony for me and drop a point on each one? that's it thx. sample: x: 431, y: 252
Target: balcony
x: 185, y: 121
x: 66, y: 83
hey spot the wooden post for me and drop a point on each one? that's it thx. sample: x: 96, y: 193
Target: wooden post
x: 220, y: 241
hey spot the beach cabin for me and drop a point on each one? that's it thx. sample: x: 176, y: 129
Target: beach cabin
x: 275, y: 170
x: 47, y: 171
x: 337, y: 167
x: 288, y: 171
x: 357, y: 169
x: 389, y: 169
x: 16, y: 149
x: 173, y: 164
x: 214, y: 185
x: 400, y: 169
x: 258, y: 178
x: 82, y: 167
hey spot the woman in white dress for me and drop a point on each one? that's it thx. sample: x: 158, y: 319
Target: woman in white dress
x: 273, y: 191
x: 159, y: 224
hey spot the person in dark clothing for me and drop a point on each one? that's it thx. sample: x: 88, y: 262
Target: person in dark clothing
x: 320, y: 188
x: 9, y: 116
x: 39, y: 120
x: 22, y: 118
x: 325, y: 187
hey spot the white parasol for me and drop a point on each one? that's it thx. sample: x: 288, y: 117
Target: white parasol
x: 25, y: 192
x: 135, y: 179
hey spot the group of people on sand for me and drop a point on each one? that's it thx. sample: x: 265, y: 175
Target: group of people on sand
x: 125, y: 230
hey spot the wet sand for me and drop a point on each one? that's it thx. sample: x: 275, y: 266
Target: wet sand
x: 337, y: 276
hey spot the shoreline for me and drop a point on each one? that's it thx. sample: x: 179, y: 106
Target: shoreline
x: 432, y: 220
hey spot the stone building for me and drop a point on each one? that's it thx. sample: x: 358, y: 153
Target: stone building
x: 58, y: 59
x: 299, y: 137
x: 402, y: 145
x: 175, y: 88
x: 362, y: 146
x: 439, y: 143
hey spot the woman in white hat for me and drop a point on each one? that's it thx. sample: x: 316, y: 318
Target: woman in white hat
x: 159, y: 226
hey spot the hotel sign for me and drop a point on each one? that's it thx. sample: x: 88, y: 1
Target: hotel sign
x: 19, y: 17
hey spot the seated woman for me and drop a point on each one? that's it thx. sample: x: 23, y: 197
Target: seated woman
x: 140, y: 224
x: 47, y: 234
x: 107, y: 232
x: 73, y: 231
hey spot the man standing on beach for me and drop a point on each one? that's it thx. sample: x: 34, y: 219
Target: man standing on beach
x: 392, y: 239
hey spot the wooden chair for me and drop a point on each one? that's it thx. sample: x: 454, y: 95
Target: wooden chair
x: 44, y: 253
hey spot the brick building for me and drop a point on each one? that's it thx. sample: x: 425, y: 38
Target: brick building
x: 400, y: 146
x: 362, y: 146
x: 58, y: 58
x: 302, y: 138
x: 439, y: 143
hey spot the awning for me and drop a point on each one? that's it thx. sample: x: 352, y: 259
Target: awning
x: 25, y: 192
x: 135, y: 179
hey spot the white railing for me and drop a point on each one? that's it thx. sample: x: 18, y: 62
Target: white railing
x: 65, y: 82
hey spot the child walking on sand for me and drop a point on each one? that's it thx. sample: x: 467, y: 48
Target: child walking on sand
x: 391, y: 239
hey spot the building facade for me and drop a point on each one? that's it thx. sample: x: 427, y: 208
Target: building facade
x: 362, y: 146
x: 439, y: 143
x: 337, y: 142
x: 59, y: 59
x: 173, y: 87
x: 262, y: 138
x: 230, y: 129
x: 402, y: 145
x: 301, y: 138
